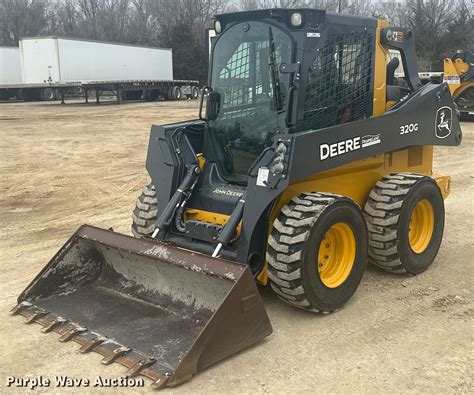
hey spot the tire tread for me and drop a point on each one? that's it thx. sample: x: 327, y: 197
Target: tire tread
x: 286, y: 242
x: 145, y: 213
x: 382, y: 212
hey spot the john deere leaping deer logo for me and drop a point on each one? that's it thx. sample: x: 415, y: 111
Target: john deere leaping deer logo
x: 444, y: 120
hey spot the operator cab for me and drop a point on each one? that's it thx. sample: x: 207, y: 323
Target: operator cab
x: 283, y: 71
x: 252, y: 93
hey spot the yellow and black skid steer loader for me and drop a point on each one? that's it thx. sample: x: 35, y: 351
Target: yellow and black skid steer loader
x: 459, y: 75
x: 307, y: 161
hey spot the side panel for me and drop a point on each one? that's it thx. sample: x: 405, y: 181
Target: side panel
x: 10, y: 66
x: 428, y: 117
x: 39, y: 60
x: 87, y: 60
x: 357, y: 179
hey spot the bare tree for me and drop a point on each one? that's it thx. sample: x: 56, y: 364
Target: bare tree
x: 359, y: 7
x: 460, y: 34
x: 439, y: 25
x: 429, y: 20
x: 181, y: 24
x: 103, y: 19
x: 63, y: 17
x: 394, y: 11
x: 21, y: 18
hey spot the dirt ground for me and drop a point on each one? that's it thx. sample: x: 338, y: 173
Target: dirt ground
x: 62, y: 166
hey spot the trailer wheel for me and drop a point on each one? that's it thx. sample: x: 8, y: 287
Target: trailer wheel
x: 176, y: 93
x: 29, y: 94
x: 47, y: 94
x: 145, y: 212
x: 150, y: 94
x: 405, y: 218
x: 195, y: 92
x: 317, y: 251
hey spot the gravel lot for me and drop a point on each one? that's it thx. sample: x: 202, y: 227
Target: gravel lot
x: 62, y: 166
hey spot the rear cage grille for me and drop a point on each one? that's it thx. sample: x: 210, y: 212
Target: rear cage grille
x: 339, y: 82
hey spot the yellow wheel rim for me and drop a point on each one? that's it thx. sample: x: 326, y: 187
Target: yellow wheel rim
x: 421, y: 226
x: 336, y: 255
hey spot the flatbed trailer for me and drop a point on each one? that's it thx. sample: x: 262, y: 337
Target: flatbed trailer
x: 148, y: 90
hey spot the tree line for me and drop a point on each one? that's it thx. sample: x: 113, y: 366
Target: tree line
x: 439, y: 25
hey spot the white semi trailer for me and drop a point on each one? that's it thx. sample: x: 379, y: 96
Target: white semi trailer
x: 10, y: 70
x: 51, y: 66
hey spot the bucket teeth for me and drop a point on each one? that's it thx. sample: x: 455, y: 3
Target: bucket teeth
x: 54, y: 324
x: 35, y: 316
x: 118, y: 352
x: 139, y: 366
x: 68, y: 335
x: 92, y: 343
x: 162, y: 380
x: 20, y: 306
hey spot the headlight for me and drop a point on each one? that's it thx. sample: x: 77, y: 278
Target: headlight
x: 389, y: 35
x: 296, y: 19
x: 217, y: 27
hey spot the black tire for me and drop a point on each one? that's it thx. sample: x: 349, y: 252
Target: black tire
x: 130, y: 95
x: 26, y: 94
x: 195, y: 92
x: 134, y: 95
x: 176, y: 93
x: 145, y: 213
x: 124, y: 95
x: 48, y: 94
x: 388, y: 212
x: 293, y: 249
x: 150, y: 94
x: 20, y: 95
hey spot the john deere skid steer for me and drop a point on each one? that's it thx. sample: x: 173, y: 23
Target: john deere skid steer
x: 306, y: 162
x: 459, y: 75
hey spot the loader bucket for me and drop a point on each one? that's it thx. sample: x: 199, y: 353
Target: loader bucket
x: 161, y: 311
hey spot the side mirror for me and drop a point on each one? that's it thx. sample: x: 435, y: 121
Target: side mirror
x: 213, y: 104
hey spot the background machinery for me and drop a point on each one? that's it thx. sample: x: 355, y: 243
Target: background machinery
x: 459, y: 75
x: 307, y: 161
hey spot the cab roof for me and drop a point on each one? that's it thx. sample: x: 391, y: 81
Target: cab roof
x: 312, y: 18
